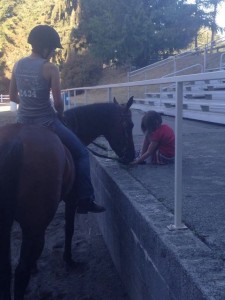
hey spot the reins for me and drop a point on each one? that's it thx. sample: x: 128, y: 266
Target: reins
x: 100, y: 146
x: 95, y: 144
x: 101, y: 155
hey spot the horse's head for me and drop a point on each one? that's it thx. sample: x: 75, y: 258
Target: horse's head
x: 120, y: 135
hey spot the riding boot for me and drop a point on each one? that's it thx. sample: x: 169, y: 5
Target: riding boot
x: 88, y: 205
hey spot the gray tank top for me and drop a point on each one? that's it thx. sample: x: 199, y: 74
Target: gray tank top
x: 34, y: 92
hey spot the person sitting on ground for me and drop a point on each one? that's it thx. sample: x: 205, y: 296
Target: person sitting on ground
x: 159, y: 140
x: 32, y: 79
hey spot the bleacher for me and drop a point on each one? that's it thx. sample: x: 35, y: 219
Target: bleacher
x: 202, y: 100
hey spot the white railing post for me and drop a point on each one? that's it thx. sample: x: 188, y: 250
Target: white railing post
x: 178, y: 160
x: 85, y: 95
x: 128, y: 88
x: 109, y: 95
x: 221, y: 60
x: 74, y: 97
x: 205, y: 59
x: 145, y: 87
x: 174, y: 64
x: 67, y: 100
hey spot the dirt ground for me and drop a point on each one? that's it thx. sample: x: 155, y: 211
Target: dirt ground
x: 96, y: 277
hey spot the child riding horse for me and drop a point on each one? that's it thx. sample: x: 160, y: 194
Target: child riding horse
x: 36, y: 172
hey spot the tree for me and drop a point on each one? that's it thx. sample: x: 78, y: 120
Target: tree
x: 18, y: 17
x: 80, y: 70
x: 137, y: 31
x: 127, y: 32
x: 211, y: 10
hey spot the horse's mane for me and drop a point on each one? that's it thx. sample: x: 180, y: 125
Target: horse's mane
x: 91, y: 109
x: 91, y: 114
x: 91, y: 117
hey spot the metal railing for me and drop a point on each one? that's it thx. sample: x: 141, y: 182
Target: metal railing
x: 179, y: 82
x: 6, y: 104
x: 222, y: 64
x: 4, y: 98
x: 185, y: 69
x: 209, y: 47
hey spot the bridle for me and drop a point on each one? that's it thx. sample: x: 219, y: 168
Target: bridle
x: 125, y: 126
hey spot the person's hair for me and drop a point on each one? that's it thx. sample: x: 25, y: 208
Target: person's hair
x: 151, y: 121
x: 44, y: 37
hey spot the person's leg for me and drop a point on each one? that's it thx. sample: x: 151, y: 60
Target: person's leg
x: 82, y: 186
x: 159, y: 159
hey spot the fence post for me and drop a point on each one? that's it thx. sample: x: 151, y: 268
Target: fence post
x: 85, y: 96
x: 128, y: 88
x: 109, y: 95
x: 204, y: 58
x: 178, y: 160
x: 67, y: 100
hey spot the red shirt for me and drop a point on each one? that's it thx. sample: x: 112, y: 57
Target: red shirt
x: 165, y: 138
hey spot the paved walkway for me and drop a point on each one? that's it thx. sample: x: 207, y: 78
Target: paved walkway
x: 203, y: 179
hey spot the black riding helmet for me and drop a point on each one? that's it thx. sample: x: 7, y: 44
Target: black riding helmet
x: 44, y: 36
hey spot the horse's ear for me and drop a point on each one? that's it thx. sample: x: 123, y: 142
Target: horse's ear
x: 130, y: 102
x: 115, y: 101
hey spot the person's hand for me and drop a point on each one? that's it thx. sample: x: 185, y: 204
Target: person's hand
x: 134, y: 162
x: 137, y: 162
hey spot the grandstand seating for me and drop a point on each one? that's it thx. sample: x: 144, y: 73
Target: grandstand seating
x: 202, y: 100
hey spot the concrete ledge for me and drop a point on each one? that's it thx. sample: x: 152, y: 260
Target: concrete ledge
x: 153, y: 262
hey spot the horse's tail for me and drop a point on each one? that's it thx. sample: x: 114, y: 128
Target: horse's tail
x: 10, y: 166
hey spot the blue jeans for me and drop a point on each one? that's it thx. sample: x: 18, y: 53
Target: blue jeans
x: 82, y: 185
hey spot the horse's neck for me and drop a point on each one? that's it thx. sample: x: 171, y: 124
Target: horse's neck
x: 92, y: 126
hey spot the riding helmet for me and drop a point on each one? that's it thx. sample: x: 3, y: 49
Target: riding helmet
x: 44, y: 36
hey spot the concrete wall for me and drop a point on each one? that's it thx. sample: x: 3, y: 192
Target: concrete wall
x: 153, y: 262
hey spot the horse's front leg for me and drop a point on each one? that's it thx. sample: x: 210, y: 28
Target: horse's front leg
x: 70, y: 209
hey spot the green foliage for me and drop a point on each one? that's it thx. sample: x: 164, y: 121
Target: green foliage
x: 211, y: 9
x: 80, y: 70
x: 127, y: 32
x: 18, y: 17
x: 134, y: 32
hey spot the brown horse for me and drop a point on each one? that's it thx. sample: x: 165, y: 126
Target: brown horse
x: 37, y: 171
x: 114, y: 122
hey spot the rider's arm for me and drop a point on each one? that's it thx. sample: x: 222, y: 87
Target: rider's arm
x: 13, y: 92
x: 51, y: 72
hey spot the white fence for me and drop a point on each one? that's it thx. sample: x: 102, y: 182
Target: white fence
x: 6, y: 104
x: 212, y: 47
x: 179, y: 82
x: 4, y: 98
